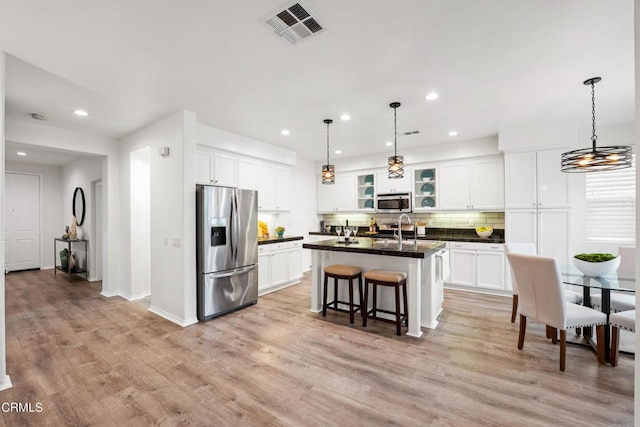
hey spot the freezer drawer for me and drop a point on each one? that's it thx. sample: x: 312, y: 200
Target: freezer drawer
x: 222, y: 292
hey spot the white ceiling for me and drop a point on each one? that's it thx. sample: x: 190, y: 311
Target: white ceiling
x: 495, y: 64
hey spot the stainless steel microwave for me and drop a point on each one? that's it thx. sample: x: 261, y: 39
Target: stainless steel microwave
x: 394, y: 202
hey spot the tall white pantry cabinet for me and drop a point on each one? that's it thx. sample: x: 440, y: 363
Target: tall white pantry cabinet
x: 538, y: 203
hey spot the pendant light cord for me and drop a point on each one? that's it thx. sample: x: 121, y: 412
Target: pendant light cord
x: 594, y: 137
x: 395, y: 132
x: 328, y: 142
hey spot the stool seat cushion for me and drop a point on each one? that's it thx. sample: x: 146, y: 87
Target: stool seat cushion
x: 385, y: 276
x: 342, y: 270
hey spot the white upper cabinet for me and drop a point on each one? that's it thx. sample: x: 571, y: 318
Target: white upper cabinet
x: 534, y: 180
x: 340, y: 196
x: 454, y: 186
x: 425, y: 188
x: 553, y: 184
x: 247, y: 174
x: 283, y: 189
x: 274, y: 188
x: 397, y: 185
x: 366, y: 182
x: 216, y: 168
x: 486, y: 185
x: 475, y: 184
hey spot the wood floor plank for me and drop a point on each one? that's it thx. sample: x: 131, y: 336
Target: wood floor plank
x: 92, y: 360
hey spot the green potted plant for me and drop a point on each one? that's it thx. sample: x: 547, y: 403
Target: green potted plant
x: 596, y: 264
x: 280, y: 231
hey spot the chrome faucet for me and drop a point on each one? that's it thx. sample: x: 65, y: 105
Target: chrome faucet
x: 415, y: 237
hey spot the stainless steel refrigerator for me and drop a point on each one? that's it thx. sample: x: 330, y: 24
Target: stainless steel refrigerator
x: 227, y: 249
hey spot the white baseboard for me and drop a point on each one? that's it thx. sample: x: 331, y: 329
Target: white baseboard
x: 496, y: 292
x: 135, y: 297
x: 265, y: 291
x: 5, y: 383
x: 170, y: 317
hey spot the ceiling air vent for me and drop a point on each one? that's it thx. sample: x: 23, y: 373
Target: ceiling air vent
x: 411, y: 132
x: 293, y: 22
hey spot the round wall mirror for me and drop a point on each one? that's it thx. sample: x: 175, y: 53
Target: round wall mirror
x: 78, y: 205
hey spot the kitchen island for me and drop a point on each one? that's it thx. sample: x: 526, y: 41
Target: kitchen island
x: 422, y: 262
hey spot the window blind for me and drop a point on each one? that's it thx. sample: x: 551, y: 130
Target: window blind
x: 611, y: 205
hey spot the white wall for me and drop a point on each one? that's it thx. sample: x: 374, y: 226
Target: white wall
x: 5, y: 381
x: 536, y: 136
x: 172, y: 201
x: 81, y: 173
x: 140, y: 215
x: 87, y: 144
x: 223, y: 140
x: 51, y: 205
x: 427, y: 154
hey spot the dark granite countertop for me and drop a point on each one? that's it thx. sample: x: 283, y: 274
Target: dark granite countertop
x: 443, y: 234
x: 377, y: 247
x: 276, y: 239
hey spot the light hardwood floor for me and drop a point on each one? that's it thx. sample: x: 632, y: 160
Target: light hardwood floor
x: 92, y: 360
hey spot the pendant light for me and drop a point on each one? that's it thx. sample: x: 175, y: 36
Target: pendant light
x: 396, y: 163
x: 328, y: 170
x: 596, y: 159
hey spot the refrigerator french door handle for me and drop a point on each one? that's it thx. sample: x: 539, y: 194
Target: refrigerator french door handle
x: 230, y: 273
x: 235, y: 224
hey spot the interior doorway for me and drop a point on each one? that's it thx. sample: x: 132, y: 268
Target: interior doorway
x: 22, y: 221
x: 140, y: 205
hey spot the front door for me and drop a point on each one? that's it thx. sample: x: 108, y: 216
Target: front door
x: 22, y: 221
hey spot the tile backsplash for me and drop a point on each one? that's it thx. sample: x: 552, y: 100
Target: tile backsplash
x: 432, y: 219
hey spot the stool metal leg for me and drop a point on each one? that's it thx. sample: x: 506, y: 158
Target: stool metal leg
x: 365, y: 312
x: 335, y: 292
x: 351, y: 320
x: 363, y: 306
x: 398, y: 318
x: 324, y: 297
x: 374, y: 312
x: 404, y: 300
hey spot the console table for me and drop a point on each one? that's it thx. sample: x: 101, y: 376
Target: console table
x: 70, y: 244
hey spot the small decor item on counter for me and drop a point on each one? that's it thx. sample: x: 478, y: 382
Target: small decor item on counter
x: 372, y: 226
x: 263, y: 229
x: 484, y: 231
x: 73, y: 231
x: 65, y: 236
x: 421, y: 228
x: 596, y: 265
x: 280, y: 231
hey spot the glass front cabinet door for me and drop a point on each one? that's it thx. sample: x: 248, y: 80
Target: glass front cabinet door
x: 366, y: 192
x: 425, y: 188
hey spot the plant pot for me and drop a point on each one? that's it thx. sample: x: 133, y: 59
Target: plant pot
x: 597, y: 269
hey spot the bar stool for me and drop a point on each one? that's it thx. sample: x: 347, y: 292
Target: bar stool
x: 345, y: 272
x: 395, y: 279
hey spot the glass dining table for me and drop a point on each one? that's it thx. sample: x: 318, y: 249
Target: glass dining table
x: 611, y: 282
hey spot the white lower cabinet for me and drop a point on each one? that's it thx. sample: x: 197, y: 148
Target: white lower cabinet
x: 279, y: 265
x: 477, y: 265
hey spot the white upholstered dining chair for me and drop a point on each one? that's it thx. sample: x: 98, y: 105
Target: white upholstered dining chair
x: 621, y: 301
x: 542, y: 298
x: 529, y: 248
x: 623, y: 320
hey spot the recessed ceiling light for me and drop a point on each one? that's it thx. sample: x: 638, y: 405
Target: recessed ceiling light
x: 338, y: 151
x: 431, y: 96
x: 388, y: 143
x: 81, y: 113
x: 21, y: 153
x: 453, y: 133
x: 345, y: 117
x: 285, y: 131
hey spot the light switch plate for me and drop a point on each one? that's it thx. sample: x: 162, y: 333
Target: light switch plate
x: 176, y: 242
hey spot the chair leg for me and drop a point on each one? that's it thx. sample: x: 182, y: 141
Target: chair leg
x: 554, y: 335
x: 324, y: 297
x: 335, y: 292
x: 615, y: 345
x: 351, y: 320
x: 600, y: 343
x: 514, y: 308
x: 563, y: 348
x: 404, y: 301
x: 365, y: 312
x: 398, y: 318
x: 374, y: 307
x: 578, y: 331
x: 523, y: 327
